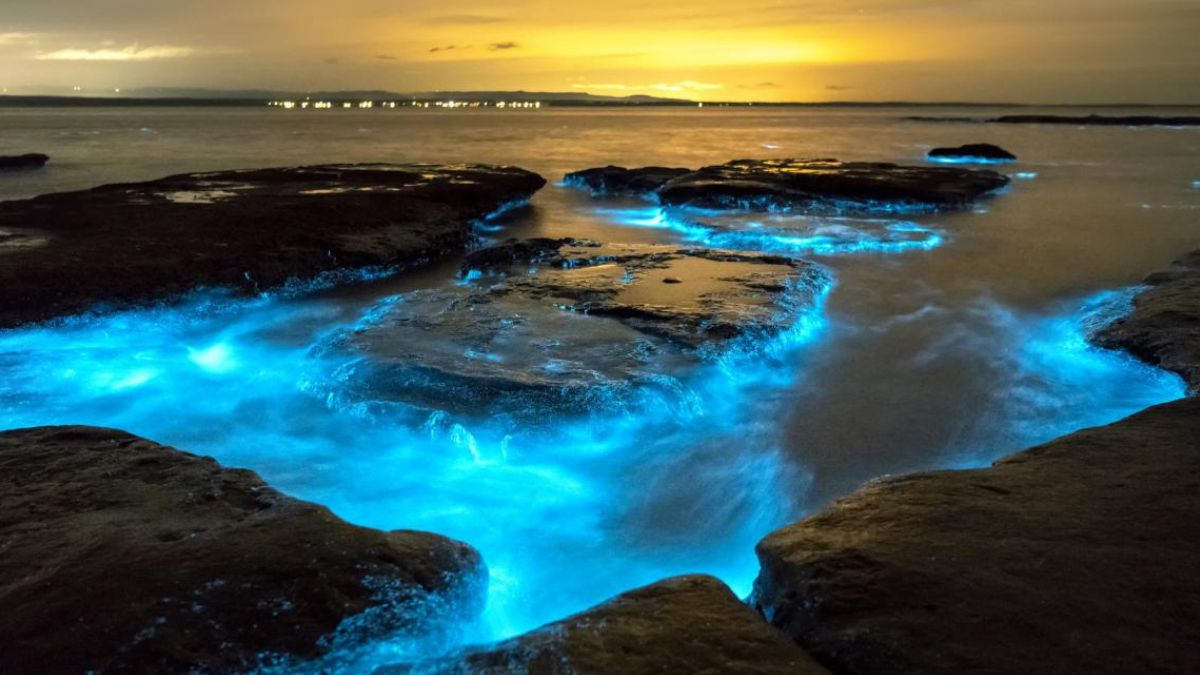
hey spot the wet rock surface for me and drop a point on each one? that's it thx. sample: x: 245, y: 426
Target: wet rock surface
x: 122, y: 555
x: 1164, y: 327
x: 125, y: 244
x: 615, y: 180
x: 685, y: 625
x: 33, y: 160
x: 572, y: 323
x: 1075, y: 556
x: 818, y: 183
x: 985, y: 151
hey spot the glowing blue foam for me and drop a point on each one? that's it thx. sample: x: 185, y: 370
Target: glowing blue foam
x: 967, y: 159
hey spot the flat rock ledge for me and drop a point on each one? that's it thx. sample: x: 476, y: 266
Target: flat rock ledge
x: 32, y: 160
x: 1164, y: 327
x: 121, y: 555
x: 800, y: 183
x: 128, y: 244
x: 685, y: 626
x: 1076, y: 556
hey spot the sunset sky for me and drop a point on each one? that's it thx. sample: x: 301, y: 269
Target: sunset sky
x: 1076, y: 51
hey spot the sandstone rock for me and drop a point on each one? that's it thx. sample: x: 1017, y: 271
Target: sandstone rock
x: 121, y: 555
x: 683, y: 626
x: 119, y: 245
x: 1164, y: 327
x: 1076, y: 556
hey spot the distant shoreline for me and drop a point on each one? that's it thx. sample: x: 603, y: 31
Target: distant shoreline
x: 25, y: 101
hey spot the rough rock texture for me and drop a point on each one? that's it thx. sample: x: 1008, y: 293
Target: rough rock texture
x: 1100, y: 120
x: 32, y: 160
x: 1164, y: 327
x: 815, y: 183
x: 565, y: 323
x: 985, y: 151
x: 250, y: 230
x: 121, y: 555
x: 683, y: 626
x: 613, y: 180
x: 1078, y: 556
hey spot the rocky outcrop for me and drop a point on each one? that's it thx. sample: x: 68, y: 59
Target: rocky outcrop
x: 31, y: 160
x: 684, y: 626
x: 548, y: 324
x: 1100, y: 120
x: 972, y: 152
x: 616, y: 180
x: 1164, y: 327
x: 814, y: 184
x: 121, y: 555
x: 1075, y: 556
x: 118, y: 245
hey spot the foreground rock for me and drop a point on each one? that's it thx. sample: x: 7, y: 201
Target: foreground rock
x: 618, y: 180
x: 812, y: 184
x: 32, y: 160
x: 122, y: 555
x: 565, y: 324
x: 686, y: 625
x: 1076, y: 556
x: 118, y: 245
x: 1164, y: 327
x: 972, y: 152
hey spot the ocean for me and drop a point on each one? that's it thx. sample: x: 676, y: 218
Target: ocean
x: 947, y: 340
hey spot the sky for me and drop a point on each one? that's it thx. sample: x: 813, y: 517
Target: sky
x: 1030, y: 51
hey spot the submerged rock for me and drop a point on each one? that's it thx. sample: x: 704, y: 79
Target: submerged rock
x: 816, y: 183
x: 251, y: 230
x: 545, y: 322
x: 1100, y: 120
x: 614, y: 180
x: 31, y: 160
x: 1164, y: 327
x: 975, y: 151
x: 122, y: 555
x: 686, y: 625
x: 1079, y: 555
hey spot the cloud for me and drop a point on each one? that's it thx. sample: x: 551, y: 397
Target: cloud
x: 17, y: 38
x: 465, y: 19
x: 130, y: 53
x: 385, y: 57
x: 442, y: 49
x: 500, y: 46
x: 838, y: 87
x: 332, y: 61
x: 674, y: 88
x: 760, y: 85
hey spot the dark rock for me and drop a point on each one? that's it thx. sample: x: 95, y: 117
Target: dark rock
x: 565, y: 323
x: 250, y: 230
x: 1164, y: 327
x: 613, y: 180
x: 684, y: 626
x: 984, y: 151
x: 1100, y: 120
x: 1076, y: 556
x: 815, y: 183
x: 122, y: 555
x: 32, y: 160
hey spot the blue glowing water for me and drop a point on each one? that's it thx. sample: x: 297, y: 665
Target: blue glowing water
x: 949, y: 340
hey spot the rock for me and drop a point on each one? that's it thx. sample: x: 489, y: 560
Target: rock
x: 32, y: 160
x: 1100, y: 120
x: 614, y: 180
x: 815, y: 184
x: 121, y: 245
x: 568, y: 324
x: 975, y: 151
x: 685, y: 625
x: 122, y: 555
x: 1077, y: 556
x: 1164, y: 327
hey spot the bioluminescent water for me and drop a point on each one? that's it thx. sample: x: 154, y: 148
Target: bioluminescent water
x: 937, y: 340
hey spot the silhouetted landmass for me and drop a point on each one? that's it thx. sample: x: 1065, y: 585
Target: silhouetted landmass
x: 32, y: 160
x: 984, y: 151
